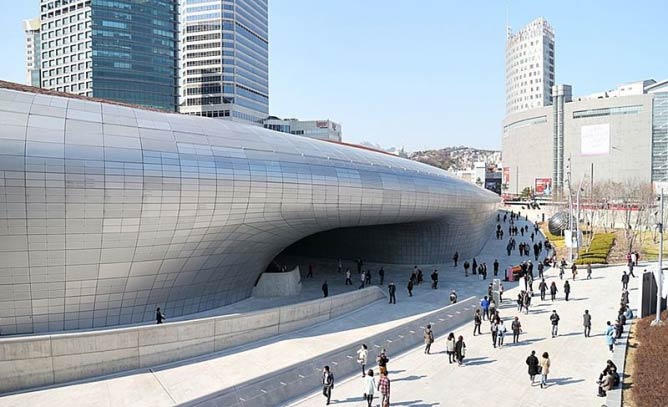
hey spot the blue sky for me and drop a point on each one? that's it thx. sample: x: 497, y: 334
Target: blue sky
x: 429, y: 73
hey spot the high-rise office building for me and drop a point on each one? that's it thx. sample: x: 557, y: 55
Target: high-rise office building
x: 33, y: 54
x: 529, y: 66
x: 121, y: 50
x: 224, y: 59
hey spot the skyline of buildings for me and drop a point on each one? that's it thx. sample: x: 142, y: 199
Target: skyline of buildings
x: 119, y: 50
x: 529, y: 66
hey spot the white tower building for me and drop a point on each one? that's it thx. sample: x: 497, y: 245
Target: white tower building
x: 529, y: 66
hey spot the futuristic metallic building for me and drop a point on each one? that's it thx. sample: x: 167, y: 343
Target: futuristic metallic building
x: 107, y: 211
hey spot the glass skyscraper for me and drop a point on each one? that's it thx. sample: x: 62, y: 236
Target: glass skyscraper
x: 224, y: 59
x: 122, y: 50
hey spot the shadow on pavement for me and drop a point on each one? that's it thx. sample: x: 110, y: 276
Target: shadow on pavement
x: 562, y: 381
x: 409, y: 378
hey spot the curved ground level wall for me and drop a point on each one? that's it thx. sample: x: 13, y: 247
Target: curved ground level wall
x: 284, y: 284
x: 34, y: 361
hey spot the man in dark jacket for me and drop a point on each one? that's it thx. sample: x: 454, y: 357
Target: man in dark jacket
x: 434, y: 279
x: 554, y: 318
x: 455, y: 258
x: 392, y: 289
x: 567, y: 289
x: 496, y: 267
x: 159, y: 316
x: 327, y: 383
x: 410, y: 287
x: 625, y: 281
x: 532, y: 362
x: 586, y: 322
x: 325, y: 289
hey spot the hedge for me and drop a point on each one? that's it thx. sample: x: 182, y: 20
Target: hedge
x: 598, y: 251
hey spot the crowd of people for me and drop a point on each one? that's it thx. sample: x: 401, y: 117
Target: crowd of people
x: 538, y: 364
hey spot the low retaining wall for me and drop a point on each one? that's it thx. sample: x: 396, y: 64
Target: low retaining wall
x: 35, y: 361
x: 302, y: 378
x: 279, y: 284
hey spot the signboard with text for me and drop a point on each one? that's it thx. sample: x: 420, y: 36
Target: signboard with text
x: 543, y: 187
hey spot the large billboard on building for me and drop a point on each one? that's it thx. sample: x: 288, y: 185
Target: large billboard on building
x: 595, y: 139
x: 543, y: 187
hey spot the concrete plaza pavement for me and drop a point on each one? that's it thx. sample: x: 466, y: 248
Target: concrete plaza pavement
x: 501, y: 374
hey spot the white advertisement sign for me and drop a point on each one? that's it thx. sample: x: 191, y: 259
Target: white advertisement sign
x: 595, y: 139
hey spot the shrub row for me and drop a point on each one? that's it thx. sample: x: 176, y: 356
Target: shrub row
x: 597, y: 252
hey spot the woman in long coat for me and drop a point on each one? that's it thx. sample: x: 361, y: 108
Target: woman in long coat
x: 532, y: 362
x: 460, y: 350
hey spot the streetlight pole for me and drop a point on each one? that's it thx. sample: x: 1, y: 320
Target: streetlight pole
x: 570, y: 211
x: 659, y: 273
x: 577, y: 216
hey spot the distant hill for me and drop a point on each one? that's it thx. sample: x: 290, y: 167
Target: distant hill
x: 456, y: 158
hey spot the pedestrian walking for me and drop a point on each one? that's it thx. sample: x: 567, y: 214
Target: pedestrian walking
x: 567, y: 289
x: 501, y: 329
x: 434, y: 279
x: 543, y: 288
x: 382, y: 360
x: 159, y: 316
x: 392, y: 290
x: 466, y: 268
x: 325, y: 289
x: 460, y: 350
x: 428, y: 339
x: 553, y: 290
x: 362, y: 280
x: 453, y: 297
x: 625, y: 281
x: 367, y: 277
x: 349, y: 281
x: 544, y: 370
x: 369, y: 387
x: 496, y: 267
x: 477, y: 321
x: 410, y: 288
x: 561, y: 271
x: 450, y: 347
x: 574, y: 271
x: 588, y: 271
x: 381, y: 274
x: 494, y: 328
x: 419, y: 277
x: 541, y: 270
x: 516, y: 327
x: 455, y: 258
x: 610, y: 336
x: 327, y: 383
x: 520, y: 301
x: 362, y: 354
x: 586, y: 322
x: 484, y: 304
x: 534, y: 366
x: 384, y: 388
x: 554, y: 318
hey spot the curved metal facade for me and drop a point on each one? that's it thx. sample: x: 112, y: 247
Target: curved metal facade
x: 107, y: 211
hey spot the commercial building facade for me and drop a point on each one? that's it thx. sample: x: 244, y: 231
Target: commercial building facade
x: 622, y: 134
x: 121, y: 50
x: 33, y: 52
x: 224, y: 61
x: 108, y: 211
x: 317, y: 129
x: 529, y: 66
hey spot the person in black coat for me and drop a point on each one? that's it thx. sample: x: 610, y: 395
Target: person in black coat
x: 392, y: 289
x: 159, y: 316
x: 532, y: 362
x: 325, y: 289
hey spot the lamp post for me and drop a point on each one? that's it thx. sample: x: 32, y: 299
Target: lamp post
x: 570, y: 211
x: 659, y: 272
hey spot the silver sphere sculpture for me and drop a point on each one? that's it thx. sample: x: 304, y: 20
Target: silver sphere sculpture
x: 558, y: 223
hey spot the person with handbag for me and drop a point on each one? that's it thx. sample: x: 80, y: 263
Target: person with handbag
x: 544, y: 369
